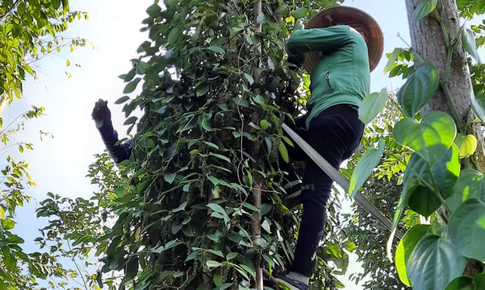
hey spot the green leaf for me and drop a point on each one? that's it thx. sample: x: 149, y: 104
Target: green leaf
x: 217, y: 208
x: 131, y: 86
x: 461, y: 283
x: 170, y: 177
x: 265, y: 225
x: 161, y: 110
x: 349, y: 246
x: 14, y: 239
x: 284, y: 152
x: 480, y: 281
x: 467, y: 229
x: 241, y: 102
x: 213, y: 264
x: 202, y: 89
x: 222, y: 157
x: 392, y: 59
x: 418, y: 89
x: 467, y: 145
x: 478, y: 105
x: 132, y: 268
x: 206, y: 124
x: 470, y: 45
x: 431, y: 138
x: 264, y: 209
x: 250, y: 206
x: 424, y: 9
x: 217, y: 49
x: 249, y: 78
x: 217, y: 253
x: 434, y: 263
x: 300, y: 13
x: 210, y: 144
x: 122, y: 100
x: 29, y: 69
x: 444, y: 174
x: 470, y: 184
x: 9, y: 261
x: 8, y: 224
x: 173, y: 35
x: 406, y: 247
x: 231, y: 256
x: 249, y: 270
x: 372, y: 105
x: 365, y: 167
x: 180, y: 207
x: 154, y: 10
x: 217, y: 278
x: 130, y: 75
x: 56, y: 4
x: 130, y: 120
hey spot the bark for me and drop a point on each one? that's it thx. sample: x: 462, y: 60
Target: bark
x: 429, y: 42
x: 4, y: 99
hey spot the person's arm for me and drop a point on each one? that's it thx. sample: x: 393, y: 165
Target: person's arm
x: 317, y: 39
x: 102, y: 117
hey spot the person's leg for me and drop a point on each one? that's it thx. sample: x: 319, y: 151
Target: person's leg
x: 295, y: 154
x: 333, y: 133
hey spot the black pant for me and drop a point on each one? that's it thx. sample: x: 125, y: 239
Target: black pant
x: 335, y: 134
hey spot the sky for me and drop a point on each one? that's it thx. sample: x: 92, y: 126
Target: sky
x: 59, y: 165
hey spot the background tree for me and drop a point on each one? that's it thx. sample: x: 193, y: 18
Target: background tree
x: 383, y: 189
x: 446, y: 239
x: 29, y: 30
x: 441, y: 52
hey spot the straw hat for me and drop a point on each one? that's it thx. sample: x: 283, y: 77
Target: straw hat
x: 352, y: 17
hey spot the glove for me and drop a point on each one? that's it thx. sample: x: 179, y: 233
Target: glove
x: 298, y: 60
x: 101, y: 114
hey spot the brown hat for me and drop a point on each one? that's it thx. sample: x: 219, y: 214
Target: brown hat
x: 352, y: 17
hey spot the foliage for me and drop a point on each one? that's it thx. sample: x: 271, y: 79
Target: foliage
x: 382, y: 188
x: 29, y: 30
x: 75, y: 227
x: 214, y: 92
x: 432, y: 257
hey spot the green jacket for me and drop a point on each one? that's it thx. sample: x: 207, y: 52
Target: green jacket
x: 342, y: 74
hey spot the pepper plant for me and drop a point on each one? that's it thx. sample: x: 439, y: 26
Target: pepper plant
x: 205, y: 209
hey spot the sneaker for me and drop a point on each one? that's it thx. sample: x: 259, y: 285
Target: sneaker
x: 290, y: 283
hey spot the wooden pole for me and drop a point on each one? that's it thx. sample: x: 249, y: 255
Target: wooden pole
x: 256, y: 222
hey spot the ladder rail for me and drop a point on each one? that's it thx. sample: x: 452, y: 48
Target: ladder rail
x: 335, y: 175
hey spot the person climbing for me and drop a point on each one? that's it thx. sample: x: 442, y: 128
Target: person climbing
x: 102, y: 118
x: 339, y: 47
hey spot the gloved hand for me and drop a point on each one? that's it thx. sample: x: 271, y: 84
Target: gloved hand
x: 101, y: 114
x: 298, y: 60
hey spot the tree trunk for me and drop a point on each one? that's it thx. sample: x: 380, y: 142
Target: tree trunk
x: 429, y: 42
x: 4, y: 99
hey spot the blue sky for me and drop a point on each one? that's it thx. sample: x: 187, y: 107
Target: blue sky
x: 59, y: 165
